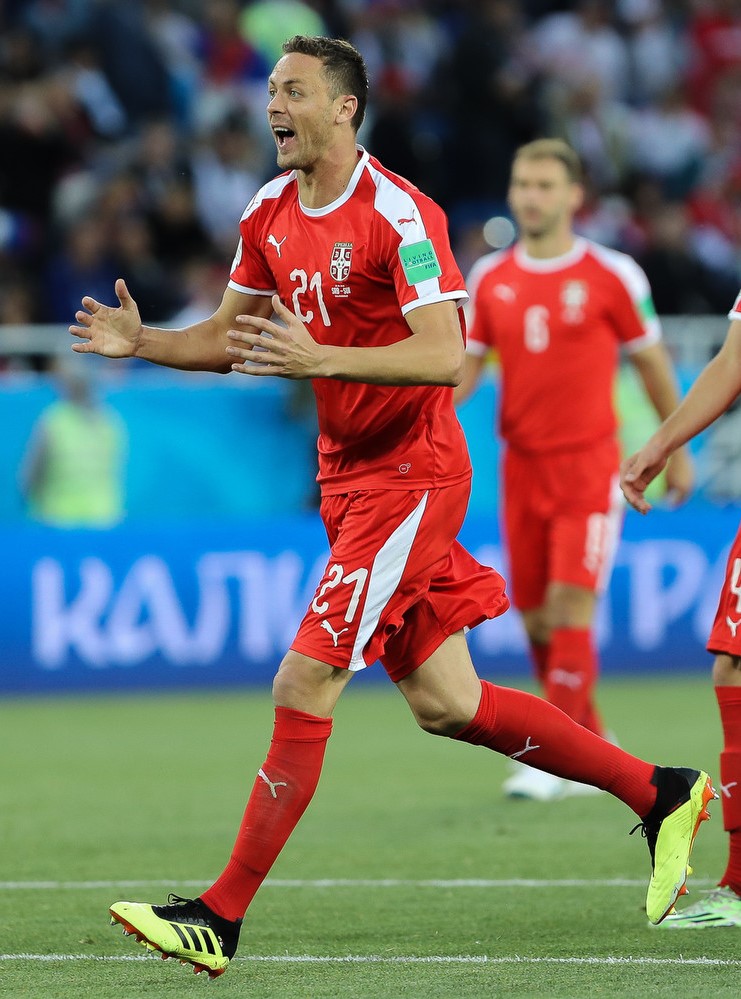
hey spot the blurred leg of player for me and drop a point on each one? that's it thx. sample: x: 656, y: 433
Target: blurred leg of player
x: 562, y: 519
x: 722, y: 906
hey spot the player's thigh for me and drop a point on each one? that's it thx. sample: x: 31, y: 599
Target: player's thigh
x: 526, y: 534
x: 385, y: 547
x: 585, y: 530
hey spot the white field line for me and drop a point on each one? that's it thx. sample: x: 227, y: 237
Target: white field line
x: 479, y: 959
x: 345, y: 883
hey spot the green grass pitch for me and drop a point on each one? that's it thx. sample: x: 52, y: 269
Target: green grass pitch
x: 409, y: 876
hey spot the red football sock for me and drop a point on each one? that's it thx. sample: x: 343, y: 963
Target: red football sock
x: 729, y: 702
x: 283, y: 788
x: 572, y: 674
x: 528, y: 728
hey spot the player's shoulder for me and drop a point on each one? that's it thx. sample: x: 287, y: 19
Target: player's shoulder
x: 393, y: 194
x: 616, y: 263
x: 490, y: 266
x: 270, y: 194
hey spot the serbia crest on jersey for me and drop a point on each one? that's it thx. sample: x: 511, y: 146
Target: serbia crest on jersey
x: 557, y: 325
x: 351, y: 271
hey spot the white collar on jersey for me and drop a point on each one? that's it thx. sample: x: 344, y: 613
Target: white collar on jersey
x: 346, y: 194
x: 544, y: 264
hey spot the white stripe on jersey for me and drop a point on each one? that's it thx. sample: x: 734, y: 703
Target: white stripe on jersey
x: 613, y: 521
x: 396, y: 205
x: 482, y: 267
x: 386, y: 571
x: 273, y: 189
x: 636, y: 284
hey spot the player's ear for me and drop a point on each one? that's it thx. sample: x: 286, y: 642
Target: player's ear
x: 347, y: 105
x: 577, y: 197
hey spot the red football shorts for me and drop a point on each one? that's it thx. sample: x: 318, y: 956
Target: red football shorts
x: 723, y: 636
x: 397, y: 582
x: 562, y: 518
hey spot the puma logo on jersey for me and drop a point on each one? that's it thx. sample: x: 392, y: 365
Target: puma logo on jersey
x: 529, y: 747
x: 274, y: 242
x: 504, y: 292
x: 279, y: 783
x: 406, y: 221
x: 725, y: 789
x: 335, y: 634
x: 733, y: 625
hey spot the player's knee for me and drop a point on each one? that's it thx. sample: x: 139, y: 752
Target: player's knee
x: 727, y: 671
x: 440, y: 719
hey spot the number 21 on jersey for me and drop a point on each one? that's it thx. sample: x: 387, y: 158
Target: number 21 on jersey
x: 306, y: 284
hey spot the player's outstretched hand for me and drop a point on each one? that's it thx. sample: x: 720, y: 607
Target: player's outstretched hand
x: 636, y: 474
x: 112, y: 332
x: 286, y: 349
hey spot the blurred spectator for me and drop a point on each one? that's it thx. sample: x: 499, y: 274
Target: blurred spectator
x: 155, y: 290
x: 54, y: 23
x: 83, y: 265
x: 680, y: 281
x: 74, y: 467
x: 202, y: 281
x: 669, y: 140
x: 714, y: 40
x: 131, y: 59
x: 597, y: 128
x: 492, y: 101
x: 91, y: 89
x: 159, y: 160
x: 657, y: 50
x: 178, y: 232
x: 35, y: 150
x: 225, y: 177
x: 584, y: 44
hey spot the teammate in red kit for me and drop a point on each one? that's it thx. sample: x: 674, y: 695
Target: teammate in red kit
x: 717, y: 386
x: 557, y: 308
x: 356, y: 264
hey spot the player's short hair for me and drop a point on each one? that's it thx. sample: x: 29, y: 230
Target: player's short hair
x: 344, y: 66
x: 553, y: 149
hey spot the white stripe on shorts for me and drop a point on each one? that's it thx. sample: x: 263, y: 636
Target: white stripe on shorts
x: 385, y: 574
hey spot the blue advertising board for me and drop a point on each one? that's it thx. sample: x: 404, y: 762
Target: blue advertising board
x: 211, y: 604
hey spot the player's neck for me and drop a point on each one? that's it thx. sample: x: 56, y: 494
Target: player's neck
x: 548, y: 245
x: 328, y: 178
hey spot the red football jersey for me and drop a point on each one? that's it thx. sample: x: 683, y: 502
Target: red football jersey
x: 351, y: 271
x: 557, y: 326
x: 735, y: 312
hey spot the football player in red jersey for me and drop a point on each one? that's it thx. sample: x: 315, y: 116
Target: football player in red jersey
x: 557, y: 309
x: 717, y: 386
x: 356, y: 264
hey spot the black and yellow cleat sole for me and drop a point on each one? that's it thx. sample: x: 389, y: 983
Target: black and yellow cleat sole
x: 170, y: 940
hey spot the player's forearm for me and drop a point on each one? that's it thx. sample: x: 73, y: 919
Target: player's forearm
x: 201, y: 347
x: 404, y: 363
x: 712, y: 393
x: 654, y: 368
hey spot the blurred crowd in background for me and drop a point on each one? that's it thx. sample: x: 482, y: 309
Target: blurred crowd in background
x: 133, y: 134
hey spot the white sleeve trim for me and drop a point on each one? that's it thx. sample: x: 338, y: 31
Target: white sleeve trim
x: 251, y: 291
x: 460, y: 296
x: 653, y: 335
x: 476, y: 348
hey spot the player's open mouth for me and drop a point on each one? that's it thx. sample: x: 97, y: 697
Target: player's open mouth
x: 282, y: 135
